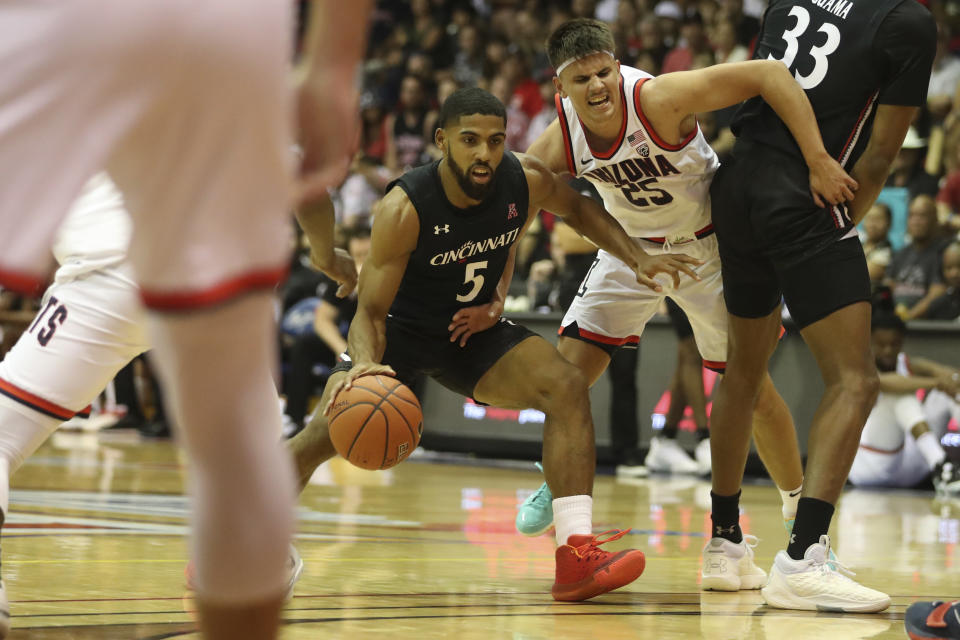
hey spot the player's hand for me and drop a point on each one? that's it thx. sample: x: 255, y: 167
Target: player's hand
x: 829, y: 183
x: 339, y: 267
x: 328, y: 131
x: 949, y: 384
x: 471, y: 320
x: 672, y: 264
x: 358, y: 370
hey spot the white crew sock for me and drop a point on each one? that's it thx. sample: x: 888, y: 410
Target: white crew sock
x: 572, y: 515
x: 930, y: 449
x: 789, y: 508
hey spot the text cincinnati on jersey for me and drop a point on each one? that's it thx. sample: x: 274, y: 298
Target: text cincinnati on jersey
x: 471, y: 248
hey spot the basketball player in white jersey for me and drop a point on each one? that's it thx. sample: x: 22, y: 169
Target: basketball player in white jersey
x: 636, y: 138
x: 189, y: 105
x: 897, y: 446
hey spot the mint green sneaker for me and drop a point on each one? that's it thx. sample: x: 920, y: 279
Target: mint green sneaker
x: 535, y: 515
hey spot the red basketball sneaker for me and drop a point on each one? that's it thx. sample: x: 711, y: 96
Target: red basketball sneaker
x: 585, y: 571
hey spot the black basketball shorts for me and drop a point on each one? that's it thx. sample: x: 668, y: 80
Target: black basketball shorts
x: 457, y: 368
x: 775, y: 243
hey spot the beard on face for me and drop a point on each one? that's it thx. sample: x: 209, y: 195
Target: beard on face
x: 473, y: 190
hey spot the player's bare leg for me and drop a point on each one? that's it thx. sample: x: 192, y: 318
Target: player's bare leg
x: 533, y: 374
x: 590, y: 359
x: 242, y: 484
x: 841, y: 345
x: 312, y: 446
x: 775, y: 435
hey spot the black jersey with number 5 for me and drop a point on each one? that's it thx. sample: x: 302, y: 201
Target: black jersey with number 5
x: 849, y: 56
x: 461, y: 253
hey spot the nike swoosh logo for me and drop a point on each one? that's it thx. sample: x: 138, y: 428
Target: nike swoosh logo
x: 795, y: 493
x: 587, y: 161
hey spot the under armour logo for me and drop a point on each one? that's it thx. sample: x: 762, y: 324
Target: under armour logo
x: 512, y: 211
x: 437, y: 229
x: 721, y: 530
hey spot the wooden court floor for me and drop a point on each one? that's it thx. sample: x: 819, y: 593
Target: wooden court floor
x: 95, y: 545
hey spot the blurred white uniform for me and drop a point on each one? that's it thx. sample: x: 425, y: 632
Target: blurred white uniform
x: 91, y: 322
x: 888, y: 455
x: 188, y: 106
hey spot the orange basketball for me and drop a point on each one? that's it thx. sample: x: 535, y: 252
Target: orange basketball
x: 376, y: 423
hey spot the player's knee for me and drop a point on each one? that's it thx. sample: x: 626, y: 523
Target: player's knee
x: 861, y: 388
x: 563, y: 388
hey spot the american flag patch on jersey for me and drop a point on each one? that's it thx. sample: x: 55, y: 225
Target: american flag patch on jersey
x: 639, y: 142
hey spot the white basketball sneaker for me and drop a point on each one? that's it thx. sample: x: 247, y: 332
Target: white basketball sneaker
x: 729, y: 566
x: 702, y: 456
x: 666, y: 456
x: 816, y: 584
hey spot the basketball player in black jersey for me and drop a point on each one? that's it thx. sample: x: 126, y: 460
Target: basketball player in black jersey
x: 431, y: 293
x: 865, y: 67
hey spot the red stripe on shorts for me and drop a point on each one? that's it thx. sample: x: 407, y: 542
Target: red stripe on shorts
x: 36, y: 403
x: 222, y: 292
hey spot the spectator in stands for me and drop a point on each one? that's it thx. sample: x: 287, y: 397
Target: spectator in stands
x: 914, y: 274
x: 547, y: 114
x: 726, y: 48
x: 651, y: 44
x: 410, y: 128
x: 469, y: 59
x: 693, y: 41
x: 907, y: 170
x: 947, y: 305
x: 360, y: 191
x: 875, y: 239
x: 747, y: 27
x: 948, y: 198
x: 668, y: 14
x: 373, y: 135
x: 944, y: 77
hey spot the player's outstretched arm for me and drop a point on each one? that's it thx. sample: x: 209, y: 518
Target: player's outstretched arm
x: 317, y: 220
x: 670, y: 100
x: 551, y: 192
x: 394, y: 237
x: 328, y: 93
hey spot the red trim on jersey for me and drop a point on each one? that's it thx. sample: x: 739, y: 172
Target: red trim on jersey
x: 184, y: 301
x: 565, y: 127
x: 884, y: 451
x: 702, y: 233
x: 596, y: 337
x: 856, y: 125
x: 716, y: 365
x: 660, y: 142
x: 612, y: 151
x: 36, y: 403
x: 20, y: 282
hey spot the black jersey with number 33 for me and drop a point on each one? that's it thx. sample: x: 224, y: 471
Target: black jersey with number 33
x: 461, y: 253
x: 849, y: 56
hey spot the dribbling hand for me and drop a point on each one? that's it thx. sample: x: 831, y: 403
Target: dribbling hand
x: 356, y: 371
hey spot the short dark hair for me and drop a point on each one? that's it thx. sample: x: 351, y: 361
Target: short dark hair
x: 887, y: 320
x: 467, y: 102
x: 578, y: 38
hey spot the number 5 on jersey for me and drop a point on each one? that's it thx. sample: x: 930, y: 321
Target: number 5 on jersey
x: 474, y: 279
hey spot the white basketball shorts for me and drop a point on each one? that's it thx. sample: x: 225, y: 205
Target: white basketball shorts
x: 612, y: 308
x: 86, y: 331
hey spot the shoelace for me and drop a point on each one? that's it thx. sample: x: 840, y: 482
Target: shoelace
x: 830, y: 565
x: 751, y: 541
x: 590, y: 550
x: 538, y: 495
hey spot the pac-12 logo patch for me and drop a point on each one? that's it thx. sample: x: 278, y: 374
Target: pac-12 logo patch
x: 639, y: 142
